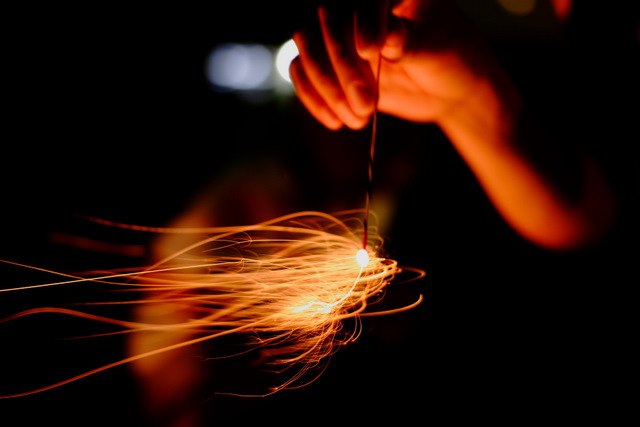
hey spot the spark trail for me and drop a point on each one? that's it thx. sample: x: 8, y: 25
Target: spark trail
x: 286, y: 284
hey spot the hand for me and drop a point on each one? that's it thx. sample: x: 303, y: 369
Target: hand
x: 435, y: 68
x: 431, y: 61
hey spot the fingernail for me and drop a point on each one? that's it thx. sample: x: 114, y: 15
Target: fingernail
x: 361, y: 98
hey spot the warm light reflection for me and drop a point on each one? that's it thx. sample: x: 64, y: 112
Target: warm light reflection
x: 286, y: 285
x: 518, y: 7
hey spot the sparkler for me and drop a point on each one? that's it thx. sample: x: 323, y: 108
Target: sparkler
x: 286, y: 284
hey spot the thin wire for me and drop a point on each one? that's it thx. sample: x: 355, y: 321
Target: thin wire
x: 372, y: 151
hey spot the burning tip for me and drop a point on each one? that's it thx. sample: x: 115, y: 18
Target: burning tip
x: 362, y: 258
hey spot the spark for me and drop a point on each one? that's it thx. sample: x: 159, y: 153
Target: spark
x: 362, y: 258
x: 286, y: 284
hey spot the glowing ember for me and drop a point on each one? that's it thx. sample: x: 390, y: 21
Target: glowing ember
x: 287, y: 284
x: 362, y: 258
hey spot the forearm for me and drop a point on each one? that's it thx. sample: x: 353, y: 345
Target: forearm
x: 485, y: 129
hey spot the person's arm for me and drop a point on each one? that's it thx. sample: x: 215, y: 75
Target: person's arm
x: 487, y: 131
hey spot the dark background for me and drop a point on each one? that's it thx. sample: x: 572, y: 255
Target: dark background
x: 108, y: 114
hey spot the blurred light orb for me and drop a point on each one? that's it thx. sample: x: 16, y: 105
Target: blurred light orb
x: 286, y: 53
x: 362, y: 258
x: 233, y: 66
x: 518, y: 7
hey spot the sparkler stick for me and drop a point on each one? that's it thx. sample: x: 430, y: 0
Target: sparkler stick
x: 372, y: 151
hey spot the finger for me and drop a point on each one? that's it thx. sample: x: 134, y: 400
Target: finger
x: 379, y: 30
x: 353, y: 72
x: 371, y: 20
x: 394, y: 44
x: 310, y: 97
x: 318, y: 68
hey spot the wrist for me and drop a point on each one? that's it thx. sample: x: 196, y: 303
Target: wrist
x: 489, y: 112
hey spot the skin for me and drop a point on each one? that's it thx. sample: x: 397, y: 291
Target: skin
x: 436, y: 69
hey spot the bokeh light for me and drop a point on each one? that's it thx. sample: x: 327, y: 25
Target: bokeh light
x: 234, y: 66
x: 287, y: 52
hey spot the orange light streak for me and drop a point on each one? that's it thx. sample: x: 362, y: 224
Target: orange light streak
x: 287, y: 284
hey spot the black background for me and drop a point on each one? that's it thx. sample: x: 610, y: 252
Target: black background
x: 110, y: 115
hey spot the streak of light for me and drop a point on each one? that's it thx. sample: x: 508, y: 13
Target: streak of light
x: 286, y: 285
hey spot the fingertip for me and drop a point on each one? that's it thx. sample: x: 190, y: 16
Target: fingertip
x: 395, y: 41
x: 334, y: 125
x: 370, y: 22
x: 368, y: 41
x: 367, y: 50
x: 348, y: 116
x: 326, y: 117
x: 359, y: 125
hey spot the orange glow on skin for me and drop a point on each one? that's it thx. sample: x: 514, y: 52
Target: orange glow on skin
x: 287, y: 284
x: 447, y: 75
x: 484, y: 132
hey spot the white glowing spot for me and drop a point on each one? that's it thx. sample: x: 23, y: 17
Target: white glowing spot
x: 239, y: 66
x: 287, y: 52
x: 362, y: 258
